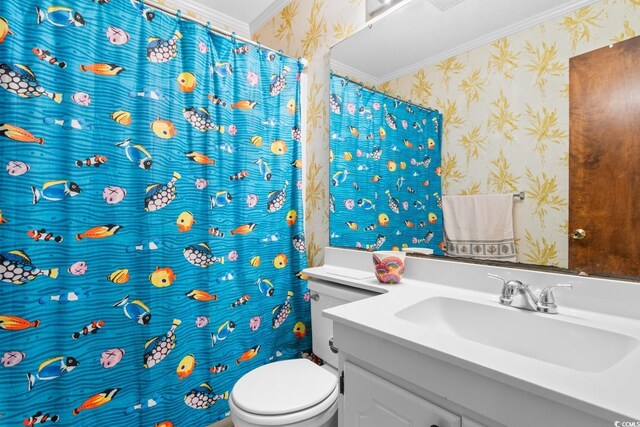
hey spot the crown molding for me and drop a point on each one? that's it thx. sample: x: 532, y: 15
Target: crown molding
x: 227, y: 22
x: 266, y: 16
x: 484, y: 40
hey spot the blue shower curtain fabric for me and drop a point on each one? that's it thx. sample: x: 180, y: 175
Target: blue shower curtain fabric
x: 385, y: 190
x: 151, y: 233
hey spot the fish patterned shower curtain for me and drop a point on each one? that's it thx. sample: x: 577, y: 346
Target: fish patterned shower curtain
x: 151, y: 237
x: 385, y: 190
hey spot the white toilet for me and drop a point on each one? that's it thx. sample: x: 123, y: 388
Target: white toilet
x: 297, y: 393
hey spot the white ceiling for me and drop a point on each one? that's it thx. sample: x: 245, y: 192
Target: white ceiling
x: 418, y: 33
x: 242, y: 16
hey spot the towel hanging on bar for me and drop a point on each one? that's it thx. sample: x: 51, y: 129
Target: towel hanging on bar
x: 479, y: 226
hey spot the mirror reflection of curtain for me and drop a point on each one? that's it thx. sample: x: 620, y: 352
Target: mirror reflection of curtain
x: 385, y: 189
x: 155, y: 223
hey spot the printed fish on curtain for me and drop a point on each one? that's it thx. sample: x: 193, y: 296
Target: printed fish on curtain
x: 151, y: 235
x: 385, y: 190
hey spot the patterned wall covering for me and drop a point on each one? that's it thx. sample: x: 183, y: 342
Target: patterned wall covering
x: 151, y: 206
x: 308, y: 28
x: 506, y: 118
x: 385, y: 166
x: 505, y: 108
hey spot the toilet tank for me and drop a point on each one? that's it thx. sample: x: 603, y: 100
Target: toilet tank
x: 325, y: 295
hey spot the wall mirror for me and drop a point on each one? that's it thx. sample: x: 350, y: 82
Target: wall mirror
x: 499, y: 71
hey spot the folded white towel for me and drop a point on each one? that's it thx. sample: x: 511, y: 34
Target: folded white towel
x: 479, y: 226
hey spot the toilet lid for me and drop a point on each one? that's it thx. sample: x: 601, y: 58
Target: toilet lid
x: 283, y: 387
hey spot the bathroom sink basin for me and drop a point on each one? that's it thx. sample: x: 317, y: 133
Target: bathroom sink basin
x: 538, y: 336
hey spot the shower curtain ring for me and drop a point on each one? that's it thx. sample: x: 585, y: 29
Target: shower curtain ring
x: 281, y: 53
x: 179, y: 14
x: 233, y: 37
x: 259, y: 47
x: 208, y: 25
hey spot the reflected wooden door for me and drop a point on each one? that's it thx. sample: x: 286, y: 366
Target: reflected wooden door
x: 604, y: 160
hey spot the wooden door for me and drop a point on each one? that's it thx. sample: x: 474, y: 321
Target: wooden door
x: 604, y: 159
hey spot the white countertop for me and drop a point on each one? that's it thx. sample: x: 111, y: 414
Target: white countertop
x: 608, y: 394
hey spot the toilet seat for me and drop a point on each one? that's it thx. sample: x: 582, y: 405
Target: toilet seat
x: 284, y: 392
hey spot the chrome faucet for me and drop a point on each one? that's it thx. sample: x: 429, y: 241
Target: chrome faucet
x: 517, y: 294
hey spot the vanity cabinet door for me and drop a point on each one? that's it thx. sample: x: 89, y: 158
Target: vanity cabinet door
x: 370, y: 401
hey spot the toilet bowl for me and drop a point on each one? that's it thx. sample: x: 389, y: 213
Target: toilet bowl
x: 292, y: 393
x: 297, y: 393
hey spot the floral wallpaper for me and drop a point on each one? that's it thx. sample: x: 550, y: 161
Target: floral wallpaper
x: 306, y: 28
x: 506, y: 118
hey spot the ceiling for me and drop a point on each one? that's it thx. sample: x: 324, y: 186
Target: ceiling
x: 418, y: 33
x: 242, y: 16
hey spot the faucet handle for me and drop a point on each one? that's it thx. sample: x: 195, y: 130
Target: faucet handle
x: 546, y: 302
x: 509, y: 288
x: 495, y: 276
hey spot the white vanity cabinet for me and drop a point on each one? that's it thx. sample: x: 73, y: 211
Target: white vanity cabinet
x: 387, y: 384
x: 371, y: 401
x: 426, y: 352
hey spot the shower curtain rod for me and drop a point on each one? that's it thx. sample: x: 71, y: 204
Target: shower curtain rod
x: 373, y: 88
x: 178, y: 14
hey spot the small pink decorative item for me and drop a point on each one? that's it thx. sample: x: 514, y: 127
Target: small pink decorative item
x: 389, y: 266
